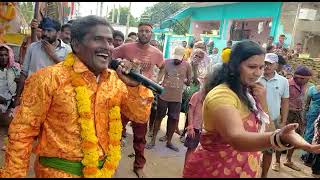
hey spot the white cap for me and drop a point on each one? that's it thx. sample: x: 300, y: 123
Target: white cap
x: 178, y: 53
x: 271, y: 58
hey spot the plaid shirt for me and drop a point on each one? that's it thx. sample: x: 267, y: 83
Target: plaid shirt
x: 296, y: 96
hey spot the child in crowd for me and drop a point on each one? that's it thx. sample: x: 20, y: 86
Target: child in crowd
x: 194, y: 121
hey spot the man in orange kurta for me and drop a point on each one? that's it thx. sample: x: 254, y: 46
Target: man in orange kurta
x: 48, y: 110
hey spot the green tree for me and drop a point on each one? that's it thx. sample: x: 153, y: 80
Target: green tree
x: 27, y: 10
x: 163, y: 10
x: 181, y: 27
x: 123, y: 17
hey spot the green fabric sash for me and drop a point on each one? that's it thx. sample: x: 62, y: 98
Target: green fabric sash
x: 71, y: 167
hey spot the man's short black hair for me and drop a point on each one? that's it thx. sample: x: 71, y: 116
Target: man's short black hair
x: 3, y: 48
x: 80, y: 27
x: 281, y: 60
x: 145, y: 24
x: 118, y: 33
x: 191, y: 44
x: 66, y: 26
x: 70, y: 21
x: 269, y: 48
x: 132, y: 33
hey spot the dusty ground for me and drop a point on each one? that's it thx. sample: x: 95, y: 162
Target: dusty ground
x: 163, y: 162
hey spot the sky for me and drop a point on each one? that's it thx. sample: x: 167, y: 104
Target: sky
x: 137, y: 8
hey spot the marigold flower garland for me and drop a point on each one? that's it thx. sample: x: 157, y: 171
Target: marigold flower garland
x: 89, y: 144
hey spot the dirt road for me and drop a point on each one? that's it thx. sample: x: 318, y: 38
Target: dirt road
x: 163, y: 162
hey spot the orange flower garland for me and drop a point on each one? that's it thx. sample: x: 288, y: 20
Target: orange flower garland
x: 89, y: 144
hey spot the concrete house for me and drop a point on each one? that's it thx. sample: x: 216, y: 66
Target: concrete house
x: 235, y: 21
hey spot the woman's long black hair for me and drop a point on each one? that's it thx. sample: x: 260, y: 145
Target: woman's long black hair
x: 229, y: 73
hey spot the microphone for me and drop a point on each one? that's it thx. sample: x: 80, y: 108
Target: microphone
x: 139, y: 78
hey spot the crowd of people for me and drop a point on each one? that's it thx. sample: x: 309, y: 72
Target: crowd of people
x: 241, y: 104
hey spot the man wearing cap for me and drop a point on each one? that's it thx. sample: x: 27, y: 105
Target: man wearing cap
x: 177, y: 73
x: 50, y: 50
x: 277, y: 89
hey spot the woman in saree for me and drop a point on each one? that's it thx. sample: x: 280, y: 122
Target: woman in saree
x: 312, y: 109
x: 234, y: 119
x: 315, y: 165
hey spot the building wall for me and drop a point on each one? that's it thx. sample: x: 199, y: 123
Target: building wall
x: 243, y: 10
x: 199, y: 26
x: 171, y: 42
x: 282, y: 14
x: 287, y: 19
x: 254, y: 35
x: 303, y: 27
x: 227, y: 12
x: 252, y: 25
x: 314, y: 47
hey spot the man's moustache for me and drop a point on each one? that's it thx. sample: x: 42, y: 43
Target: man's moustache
x: 102, y: 51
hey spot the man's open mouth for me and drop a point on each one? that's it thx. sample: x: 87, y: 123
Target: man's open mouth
x: 103, y: 55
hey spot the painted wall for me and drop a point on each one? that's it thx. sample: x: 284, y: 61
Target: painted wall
x: 303, y: 27
x: 243, y: 10
x: 171, y: 42
x: 254, y: 35
x: 199, y: 26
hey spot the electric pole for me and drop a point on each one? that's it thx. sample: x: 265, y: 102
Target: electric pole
x: 118, y: 15
x: 128, y: 19
x: 101, y: 8
x: 97, y: 9
x: 113, y: 11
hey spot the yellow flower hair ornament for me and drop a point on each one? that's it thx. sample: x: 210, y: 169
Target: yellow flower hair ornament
x: 226, y: 55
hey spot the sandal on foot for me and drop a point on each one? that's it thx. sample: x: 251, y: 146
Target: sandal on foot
x: 139, y: 172
x: 150, y: 145
x: 292, y: 166
x: 178, y: 132
x: 150, y: 134
x: 163, y: 138
x: 276, y: 166
x: 171, y: 146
